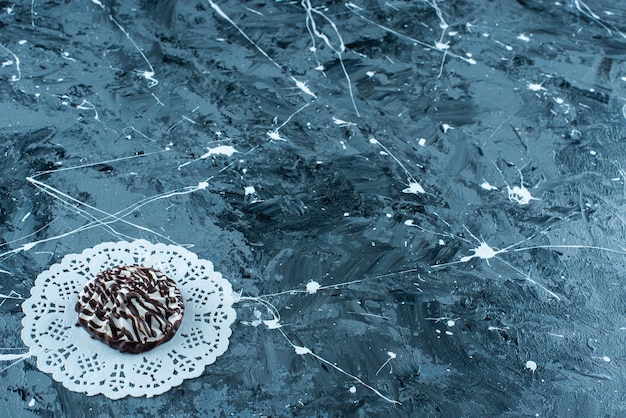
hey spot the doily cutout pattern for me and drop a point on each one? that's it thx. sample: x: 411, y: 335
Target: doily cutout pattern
x: 83, y: 364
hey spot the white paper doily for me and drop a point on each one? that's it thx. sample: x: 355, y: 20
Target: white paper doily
x: 83, y: 364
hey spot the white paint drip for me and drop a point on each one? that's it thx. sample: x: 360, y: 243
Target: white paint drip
x: 249, y: 190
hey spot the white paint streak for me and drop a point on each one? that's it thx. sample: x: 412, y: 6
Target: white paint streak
x: 301, y: 85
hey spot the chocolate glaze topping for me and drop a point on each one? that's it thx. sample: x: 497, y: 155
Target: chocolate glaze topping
x: 131, y: 308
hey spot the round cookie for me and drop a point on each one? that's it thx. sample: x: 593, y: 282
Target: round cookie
x: 131, y: 308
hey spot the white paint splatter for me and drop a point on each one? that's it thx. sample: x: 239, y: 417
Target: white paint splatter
x: 274, y: 135
x: 446, y: 127
x: 523, y: 37
x: 485, y: 185
x: 312, y: 287
x: 249, y: 190
x: 227, y: 150
x: 483, y: 251
x: 302, y: 350
x: 422, y: 142
x: 451, y: 323
x: 302, y: 86
x: 340, y: 122
x: 520, y: 195
x: 535, y: 87
x: 273, y: 323
x: 414, y: 188
x: 531, y: 365
x: 352, y: 389
x: 31, y: 403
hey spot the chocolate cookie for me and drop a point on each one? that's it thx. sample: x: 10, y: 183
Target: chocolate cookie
x: 131, y: 308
